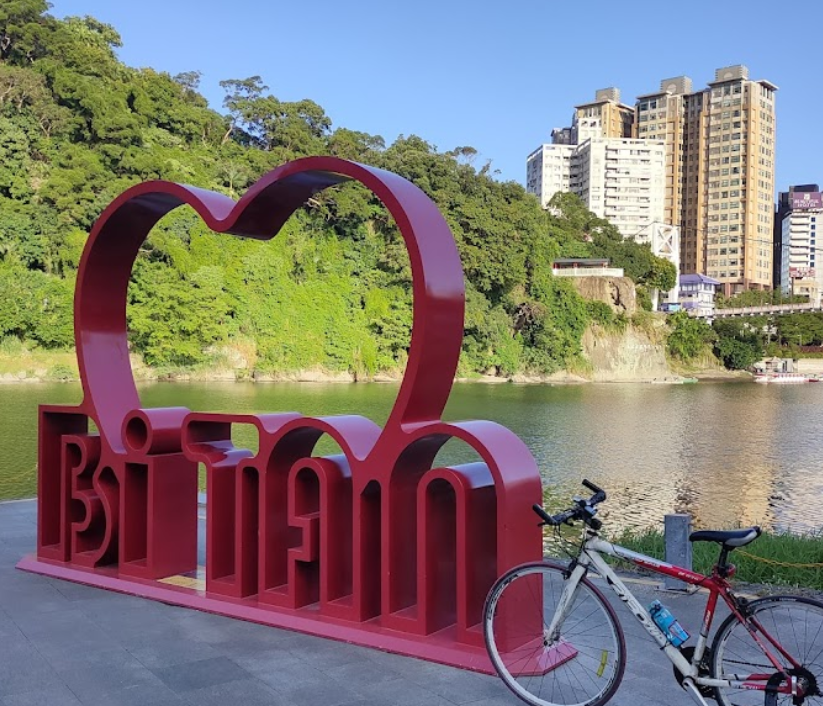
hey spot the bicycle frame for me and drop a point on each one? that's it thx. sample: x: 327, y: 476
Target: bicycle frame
x: 718, y: 587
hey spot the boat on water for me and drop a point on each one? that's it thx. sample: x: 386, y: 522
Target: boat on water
x: 783, y: 378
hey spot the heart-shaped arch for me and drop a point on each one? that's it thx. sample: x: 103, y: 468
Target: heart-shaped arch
x: 105, y: 268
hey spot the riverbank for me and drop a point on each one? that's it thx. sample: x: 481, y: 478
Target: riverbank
x: 37, y: 366
x: 70, y: 374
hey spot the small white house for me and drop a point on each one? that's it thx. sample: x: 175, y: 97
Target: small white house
x: 584, y: 267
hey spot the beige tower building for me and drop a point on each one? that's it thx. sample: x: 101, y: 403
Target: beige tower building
x: 605, y: 117
x: 719, y: 173
x: 661, y: 116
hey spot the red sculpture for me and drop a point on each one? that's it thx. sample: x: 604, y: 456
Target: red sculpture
x: 373, y: 546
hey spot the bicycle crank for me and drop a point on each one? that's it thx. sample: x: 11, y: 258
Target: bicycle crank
x: 702, y: 670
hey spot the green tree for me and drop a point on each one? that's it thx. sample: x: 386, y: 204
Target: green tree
x: 21, y: 34
x: 739, y: 342
x: 688, y: 336
x: 804, y: 329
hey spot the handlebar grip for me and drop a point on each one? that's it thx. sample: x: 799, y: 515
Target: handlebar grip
x: 548, y: 519
x: 599, y: 493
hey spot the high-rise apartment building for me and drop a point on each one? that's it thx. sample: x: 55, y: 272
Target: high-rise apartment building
x: 621, y: 180
x: 548, y: 170
x: 798, y: 237
x: 618, y: 179
x: 661, y: 116
x: 719, y: 173
x: 783, y: 207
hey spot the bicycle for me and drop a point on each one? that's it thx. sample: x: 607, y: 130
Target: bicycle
x: 555, y: 639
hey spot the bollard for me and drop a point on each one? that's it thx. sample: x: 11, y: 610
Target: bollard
x: 678, y: 548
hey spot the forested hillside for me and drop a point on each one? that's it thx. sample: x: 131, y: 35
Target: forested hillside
x: 332, y: 291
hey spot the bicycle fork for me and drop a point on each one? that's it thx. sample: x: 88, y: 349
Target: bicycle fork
x: 552, y: 634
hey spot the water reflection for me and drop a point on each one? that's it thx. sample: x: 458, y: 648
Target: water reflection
x: 727, y: 453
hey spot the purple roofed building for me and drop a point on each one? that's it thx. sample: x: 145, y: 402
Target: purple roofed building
x: 697, y: 293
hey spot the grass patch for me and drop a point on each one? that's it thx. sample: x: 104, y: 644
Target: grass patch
x: 765, y: 565
x: 652, y: 324
x: 769, y: 547
x: 21, y: 361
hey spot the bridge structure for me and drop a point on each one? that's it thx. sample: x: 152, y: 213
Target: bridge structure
x: 766, y: 310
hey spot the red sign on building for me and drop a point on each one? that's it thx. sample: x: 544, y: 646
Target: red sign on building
x: 803, y: 201
x: 801, y: 272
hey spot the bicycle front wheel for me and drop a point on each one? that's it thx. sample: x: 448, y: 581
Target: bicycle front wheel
x: 580, y: 664
x: 792, y: 629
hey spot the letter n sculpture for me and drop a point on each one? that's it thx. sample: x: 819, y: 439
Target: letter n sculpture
x: 374, y: 546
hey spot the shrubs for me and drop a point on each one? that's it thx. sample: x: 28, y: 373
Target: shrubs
x: 688, y: 336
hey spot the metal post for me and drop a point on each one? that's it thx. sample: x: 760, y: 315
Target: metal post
x: 678, y: 548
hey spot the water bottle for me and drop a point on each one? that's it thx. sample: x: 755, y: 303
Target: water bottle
x: 667, y: 623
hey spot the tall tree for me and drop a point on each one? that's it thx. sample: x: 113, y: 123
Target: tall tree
x: 21, y: 25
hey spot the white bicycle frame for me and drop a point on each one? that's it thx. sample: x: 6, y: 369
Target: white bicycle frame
x: 590, y: 557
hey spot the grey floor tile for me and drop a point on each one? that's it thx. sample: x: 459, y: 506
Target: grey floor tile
x: 304, y: 684
x: 55, y: 696
x: 264, y: 663
x: 397, y: 691
x: 201, y: 674
x: 249, y: 692
x: 154, y: 695
x: 95, y: 682
x: 429, y: 700
x: 167, y: 648
x: 360, y: 671
x: 457, y: 686
x: 18, y: 676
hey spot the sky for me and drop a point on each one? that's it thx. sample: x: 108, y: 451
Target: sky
x: 496, y: 76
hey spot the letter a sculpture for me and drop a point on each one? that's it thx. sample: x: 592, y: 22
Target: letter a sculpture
x: 373, y: 546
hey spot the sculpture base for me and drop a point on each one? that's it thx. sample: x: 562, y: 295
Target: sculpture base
x: 438, y: 647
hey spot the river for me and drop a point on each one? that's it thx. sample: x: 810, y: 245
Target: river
x: 728, y: 453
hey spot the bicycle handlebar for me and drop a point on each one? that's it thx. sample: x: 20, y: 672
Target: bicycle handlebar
x: 599, y: 494
x: 584, y: 510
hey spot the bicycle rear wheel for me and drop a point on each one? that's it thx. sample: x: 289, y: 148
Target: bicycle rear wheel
x: 797, y: 625
x: 581, y: 664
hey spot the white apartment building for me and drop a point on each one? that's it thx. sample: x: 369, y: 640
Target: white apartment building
x: 622, y: 180
x: 800, y: 275
x: 548, y: 171
x: 619, y: 179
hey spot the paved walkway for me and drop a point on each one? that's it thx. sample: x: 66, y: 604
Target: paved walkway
x: 65, y: 644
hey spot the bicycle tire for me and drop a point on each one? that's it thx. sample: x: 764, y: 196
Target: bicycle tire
x: 796, y: 623
x: 583, y: 666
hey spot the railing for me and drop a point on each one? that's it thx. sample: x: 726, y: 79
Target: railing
x: 588, y: 272
x: 757, y: 310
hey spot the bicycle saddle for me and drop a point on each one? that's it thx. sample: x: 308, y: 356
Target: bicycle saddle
x: 728, y: 538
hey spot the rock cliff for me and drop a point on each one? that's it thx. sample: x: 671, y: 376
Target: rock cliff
x: 618, y: 292
x: 630, y: 355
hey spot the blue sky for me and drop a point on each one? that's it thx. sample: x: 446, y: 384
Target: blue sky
x: 494, y: 75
